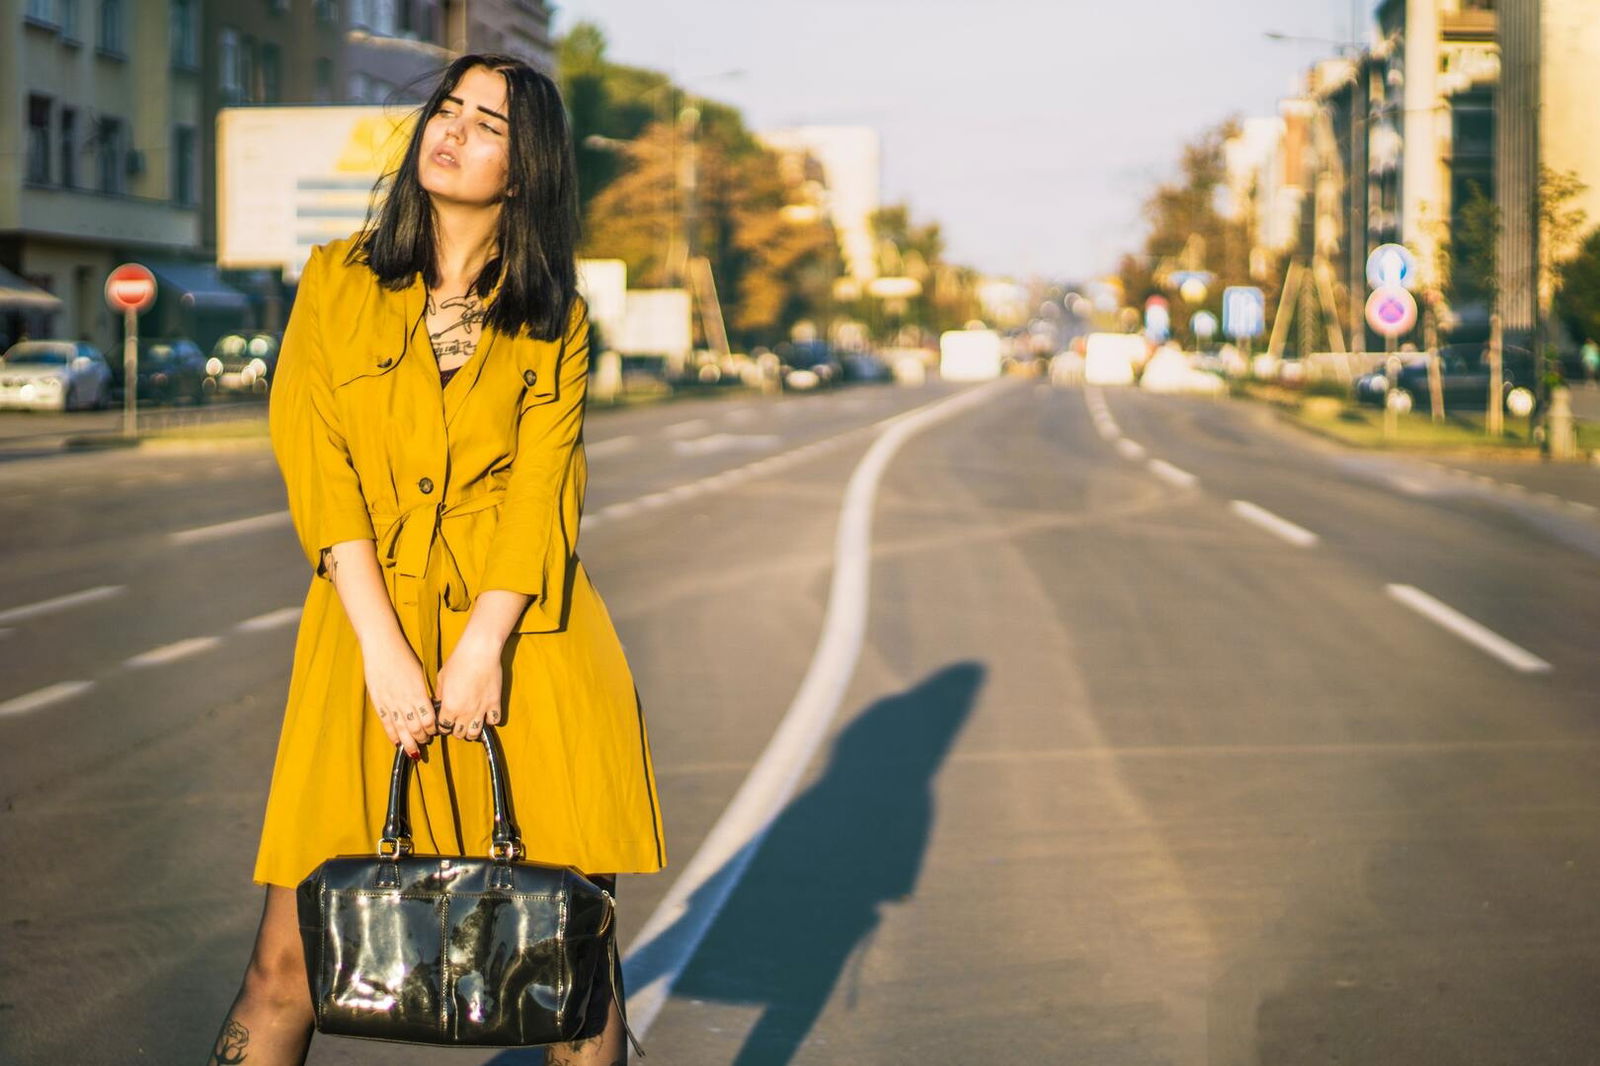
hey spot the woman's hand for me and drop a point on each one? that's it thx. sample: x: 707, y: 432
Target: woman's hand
x: 399, y: 692
x: 469, y: 688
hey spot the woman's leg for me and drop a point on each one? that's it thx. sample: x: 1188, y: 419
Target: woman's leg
x: 609, y: 1046
x: 270, y: 1023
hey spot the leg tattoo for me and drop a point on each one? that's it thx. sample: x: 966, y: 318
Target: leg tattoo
x: 233, y: 1043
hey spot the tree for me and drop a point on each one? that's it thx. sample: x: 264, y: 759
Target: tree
x: 1578, y: 292
x: 1468, y: 255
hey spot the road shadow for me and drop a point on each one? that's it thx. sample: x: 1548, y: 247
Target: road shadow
x: 808, y: 902
x: 808, y: 905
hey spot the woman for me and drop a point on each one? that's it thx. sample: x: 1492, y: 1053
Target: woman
x: 427, y: 414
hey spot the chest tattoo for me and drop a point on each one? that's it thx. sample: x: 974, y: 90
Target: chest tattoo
x: 453, y: 326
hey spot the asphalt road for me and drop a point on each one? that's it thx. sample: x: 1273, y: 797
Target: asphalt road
x: 1174, y: 737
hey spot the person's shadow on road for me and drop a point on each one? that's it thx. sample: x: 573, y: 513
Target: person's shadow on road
x: 809, y: 901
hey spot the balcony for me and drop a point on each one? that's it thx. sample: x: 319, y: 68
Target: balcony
x: 1472, y: 25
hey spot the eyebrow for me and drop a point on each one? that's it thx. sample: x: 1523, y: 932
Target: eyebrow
x: 485, y: 110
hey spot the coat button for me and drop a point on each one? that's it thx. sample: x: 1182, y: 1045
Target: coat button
x: 385, y: 363
x: 426, y: 485
x: 530, y: 377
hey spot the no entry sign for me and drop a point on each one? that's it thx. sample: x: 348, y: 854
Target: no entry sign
x: 130, y: 287
x: 1391, y: 311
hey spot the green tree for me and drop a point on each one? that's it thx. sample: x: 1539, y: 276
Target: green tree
x: 1578, y: 289
x: 1468, y: 254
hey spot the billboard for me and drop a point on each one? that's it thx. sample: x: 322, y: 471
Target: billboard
x: 289, y: 178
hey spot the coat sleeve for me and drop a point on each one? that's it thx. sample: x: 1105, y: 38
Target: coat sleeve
x: 537, y: 534
x: 325, y: 499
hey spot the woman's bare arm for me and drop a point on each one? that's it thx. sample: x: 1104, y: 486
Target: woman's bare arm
x: 395, y: 680
x: 470, y: 682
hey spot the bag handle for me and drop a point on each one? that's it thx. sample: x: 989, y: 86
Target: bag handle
x: 505, y: 845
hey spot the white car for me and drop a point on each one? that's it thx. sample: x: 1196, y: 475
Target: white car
x: 54, y: 376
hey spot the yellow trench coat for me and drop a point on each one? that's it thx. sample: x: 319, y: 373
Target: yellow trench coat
x: 475, y: 486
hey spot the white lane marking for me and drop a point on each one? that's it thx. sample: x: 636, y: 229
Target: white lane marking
x: 1130, y: 449
x: 228, y: 529
x: 687, y: 429
x: 1172, y: 475
x: 1299, y: 536
x: 1517, y: 658
x: 601, y: 449
x: 667, y: 941
x: 62, y: 603
x: 283, y: 616
x: 1411, y: 486
x: 44, y: 697
x: 726, y: 442
x: 170, y: 653
x: 1583, y: 508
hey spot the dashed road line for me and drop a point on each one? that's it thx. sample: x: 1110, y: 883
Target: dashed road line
x: 603, y: 448
x: 1485, y: 639
x: 229, y: 529
x: 170, y: 653
x: 687, y: 429
x: 1172, y: 475
x: 1299, y: 536
x: 1130, y: 449
x: 61, y: 603
x: 271, y: 620
x: 44, y: 697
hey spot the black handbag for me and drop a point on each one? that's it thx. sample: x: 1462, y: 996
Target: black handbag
x: 431, y: 949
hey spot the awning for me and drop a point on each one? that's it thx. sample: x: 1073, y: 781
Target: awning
x: 19, y: 295
x: 197, y: 285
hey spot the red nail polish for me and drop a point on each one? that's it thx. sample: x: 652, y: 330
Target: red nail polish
x: 415, y: 755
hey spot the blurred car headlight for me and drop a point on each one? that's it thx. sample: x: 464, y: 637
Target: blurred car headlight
x: 258, y: 367
x: 802, y: 379
x: 213, y: 366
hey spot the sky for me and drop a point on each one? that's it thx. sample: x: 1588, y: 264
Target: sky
x: 1032, y: 131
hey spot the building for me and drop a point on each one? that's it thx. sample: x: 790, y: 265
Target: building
x: 108, y: 105
x: 848, y: 157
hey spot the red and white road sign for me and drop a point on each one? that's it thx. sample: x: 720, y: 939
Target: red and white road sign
x: 130, y: 287
x: 1391, y: 311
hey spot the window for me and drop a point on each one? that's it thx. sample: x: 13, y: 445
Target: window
x: 111, y: 26
x: 383, y: 17
x: 108, y: 154
x: 228, y: 66
x: 326, y: 10
x: 184, y: 179
x: 69, y: 147
x: 185, y: 33
x: 67, y: 12
x: 323, y: 93
x: 270, y: 73
x: 39, y: 11
x: 361, y: 14
x: 38, y: 140
x: 249, y: 90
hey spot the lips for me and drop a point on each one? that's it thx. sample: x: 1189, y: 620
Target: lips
x: 445, y: 158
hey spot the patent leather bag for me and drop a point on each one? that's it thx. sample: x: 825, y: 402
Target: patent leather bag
x: 490, y: 952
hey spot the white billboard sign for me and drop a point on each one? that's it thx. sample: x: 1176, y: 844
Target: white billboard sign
x: 289, y: 178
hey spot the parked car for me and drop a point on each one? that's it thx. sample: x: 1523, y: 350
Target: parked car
x: 808, y: 365
x: 52, y: 375
x: 169, y: 371
x: 1463, y: 378
x: 242, y: 362
x: 865, y: 367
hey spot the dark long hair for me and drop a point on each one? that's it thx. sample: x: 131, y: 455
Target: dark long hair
x: 538, y: 233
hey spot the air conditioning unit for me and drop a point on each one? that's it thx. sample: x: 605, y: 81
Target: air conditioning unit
x: 134, y: 163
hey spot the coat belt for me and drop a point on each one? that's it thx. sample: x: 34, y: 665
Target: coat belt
x: 414, y: 549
